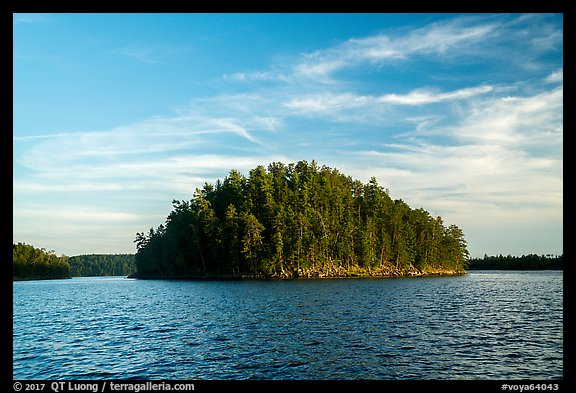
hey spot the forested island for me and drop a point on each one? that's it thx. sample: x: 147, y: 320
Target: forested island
x: 524, y: 262
x: 297, y: 220
x: 31, y: 263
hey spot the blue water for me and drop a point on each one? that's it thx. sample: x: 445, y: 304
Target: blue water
x: 484, y: 325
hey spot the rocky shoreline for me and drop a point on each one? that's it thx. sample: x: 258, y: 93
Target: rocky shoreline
x: 318, y: 273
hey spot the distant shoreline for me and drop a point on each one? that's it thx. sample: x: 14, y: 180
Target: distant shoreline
x: 524, y: 262
x: 39, y: 278
x: 525, y: 269
x: 275, y: 278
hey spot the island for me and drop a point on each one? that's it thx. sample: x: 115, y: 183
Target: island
x: 294, y: 221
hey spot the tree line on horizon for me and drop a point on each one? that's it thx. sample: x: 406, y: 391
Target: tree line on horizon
x: 29, y: 262
x: 90, y: 265
x: 524, y: 262
x: 297, y: 220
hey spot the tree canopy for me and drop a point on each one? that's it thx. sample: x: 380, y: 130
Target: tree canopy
x: 297, y: 220
x: 30, y: 263
x: 87, y: 265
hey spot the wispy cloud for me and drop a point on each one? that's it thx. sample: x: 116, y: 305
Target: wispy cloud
x: 255, y: 76
x: 535, y: 120
x: 473, y: 38
x: 176, y: 152
x: 340, y: 105
x: 555, y: 77
x: 472, y: 183
x: 143, y: 55
x: 434, y: 39
x: 501, y: 156
x: 423, y: 97
x: 157, y: 54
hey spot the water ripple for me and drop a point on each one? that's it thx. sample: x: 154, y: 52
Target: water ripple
x: 486, y: 325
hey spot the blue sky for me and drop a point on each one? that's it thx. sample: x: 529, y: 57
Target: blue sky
x: 116, y: 115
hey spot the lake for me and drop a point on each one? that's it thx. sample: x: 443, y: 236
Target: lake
x: 483, y: 325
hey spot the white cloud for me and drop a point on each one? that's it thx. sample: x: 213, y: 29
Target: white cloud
x: 470, y: 182
x: 34, y: 187
x: 470, y: 38
x: 511, y: 121
x: 151, y: 54
x: 76, y: 214
x: 443, y: 36
x: 502, y: 163
x: 318, y: 69
x: 327, y: 102
x: 140, y: 54
x: 438, y: 38
x: 422, y: 97
x: 151, y: 137
x: 352, y: 107
x: 556, y: 76
x: 253, y: 76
